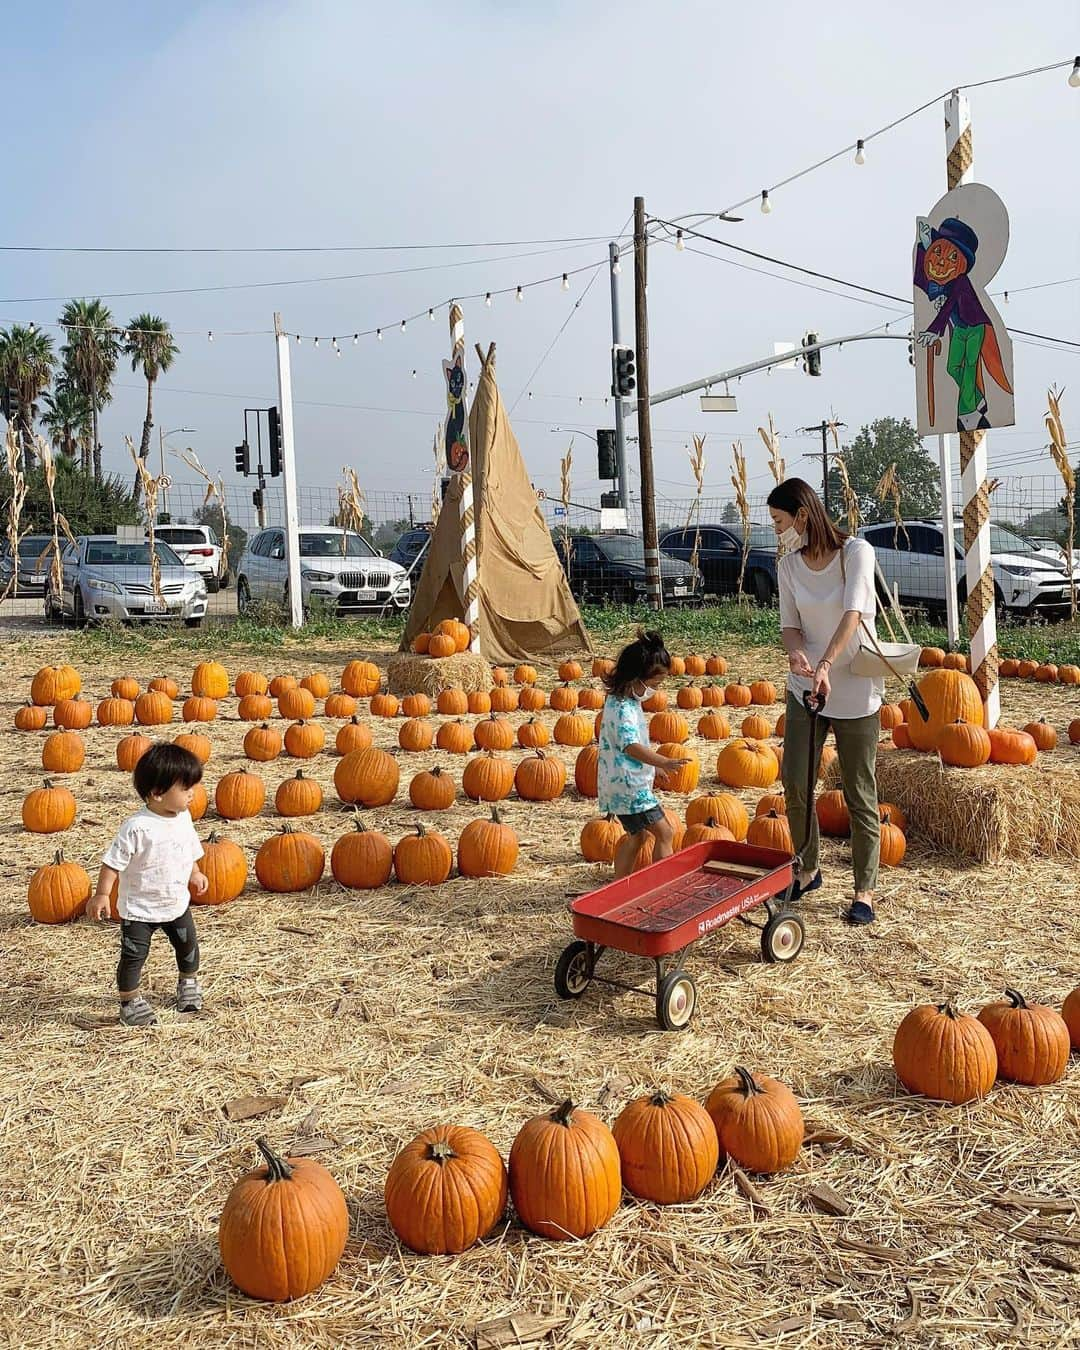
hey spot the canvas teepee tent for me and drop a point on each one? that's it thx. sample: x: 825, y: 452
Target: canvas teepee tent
x: 526, y: 609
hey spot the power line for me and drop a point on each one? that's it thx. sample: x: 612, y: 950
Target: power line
x: 308, y: 248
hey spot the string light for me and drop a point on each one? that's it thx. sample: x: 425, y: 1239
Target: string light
x: 414, y: 374
x: 298, y: 339
x: 487, y: 299
x: 378, y: 333
x: 519, y: 295
x: 355, y: 339
x: 565, y: 282
x: 679, y: 245
x: 210, y: 335
x: 403, y: 325
x: 316, y: 342
x: 1006, y: 297
x: 766, y: 205
x: 860, y: 152
x: 431, y: 315
x: 337, y: 349
x: 1074, y: 74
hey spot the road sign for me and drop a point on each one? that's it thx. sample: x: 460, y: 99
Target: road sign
x: 560, y: 510
x: 718, y: 403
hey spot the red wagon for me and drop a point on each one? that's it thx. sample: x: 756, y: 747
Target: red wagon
x: 663, y: 910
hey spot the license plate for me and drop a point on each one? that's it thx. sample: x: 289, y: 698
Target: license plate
x: 681, y: 590
x: 38, y: 579
x: 155, y: 607
x: 366, y: 595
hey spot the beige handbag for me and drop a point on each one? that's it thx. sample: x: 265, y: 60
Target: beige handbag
x: 875, y: 659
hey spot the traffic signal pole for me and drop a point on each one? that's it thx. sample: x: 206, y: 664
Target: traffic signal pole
x: 288, y: 476
x: 824, y: 428
x: 648, y: 490
x: 620, y: 424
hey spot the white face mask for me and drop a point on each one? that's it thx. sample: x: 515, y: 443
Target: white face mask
x: 792, y: 539
x: 645, y: 692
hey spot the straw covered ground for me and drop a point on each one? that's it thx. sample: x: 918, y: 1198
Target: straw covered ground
x: 363, y: 1017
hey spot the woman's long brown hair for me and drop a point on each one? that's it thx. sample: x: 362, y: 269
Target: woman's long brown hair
x: 795, y: 494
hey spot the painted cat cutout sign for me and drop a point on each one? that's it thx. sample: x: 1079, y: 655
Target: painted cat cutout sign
x: 963, y: 353
x: 457, y: 419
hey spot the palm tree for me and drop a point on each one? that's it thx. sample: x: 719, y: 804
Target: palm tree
x: 90, y: 355
x: 67, y: 419
x: 150, y: 344
x: 26, y: 366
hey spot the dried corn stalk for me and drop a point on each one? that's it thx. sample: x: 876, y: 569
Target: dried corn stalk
x: 565, y: 465
x: 439, y: 450
x: 889, y: 488
x: 15, y: 506
x: 215, y: 492
x: 850, y: 497
x: 772, y: 443
x: 352, y: 505
x: 151, y: 486
x: 1056, y: 427
x: 697, y: 463
x: 59, y: 524
x: 742, y: 500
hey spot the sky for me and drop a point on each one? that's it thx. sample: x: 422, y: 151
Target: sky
x: 335, y: 123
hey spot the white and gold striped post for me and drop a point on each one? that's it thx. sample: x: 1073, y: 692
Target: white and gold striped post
x: 470, y: 579
x: 982, y: 621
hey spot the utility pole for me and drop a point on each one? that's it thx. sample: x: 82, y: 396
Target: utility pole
x: 288, y: 476
x: 616, y: 339
x: 641, y: 327
x: 824, y: 428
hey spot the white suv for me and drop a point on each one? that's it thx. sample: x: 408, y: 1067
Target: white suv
x: 912, y: 558
x: 197, y: 547
x: 337, y: 567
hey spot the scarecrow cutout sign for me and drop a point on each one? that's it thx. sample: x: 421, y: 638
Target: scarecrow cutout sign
x: 457, y: 415
x: 963, y: 357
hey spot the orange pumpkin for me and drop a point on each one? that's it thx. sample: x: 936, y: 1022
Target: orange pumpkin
x: 564, y: 1173
x: 361, y: 679
x: 533, y: 734
x: 415, y: 705
x: 945, y: 1055
x: 198, y: 708
x: 712, y: 696
x: 963, y: 745
x: 1031, y: 1039
x: 289, y: 861
x: 63, y: 752
x: 716, y: 665
x: 1047, y: 674
x: 456, y: 737
x: 432, y: 790
x: 709, y: 832
x: 354, y: 735
x: 487, y: 848
x: 487, y: 778
x: 1012, y: 747
x: 316, y: 684
x: 441, y: 645
x: 383, y: 705
x: 198, y: 807
x: 210, y: 679
x: 53, y: 684
x: 600, y: 838
x: 889, y: 715
x: 723, y: 807
x: 1043, y: 734
x: 499, y: 676
x: 58, y: 892
x: 747, y: 764
x: 1069, y: 674
x: 73, y: 714
x: 1074, y: 731
x: 901, y: 737
x: 262, y: 743
x: 304, y: 740
x: 896, y: 816
x: 932, y: 658
x: 479, y: 703
x: 131, y: 749
x: 684, y: 779
x: 532, y: 699
x: 1027, y: 669
x: 421, y: 644
x: 949, y: 695
x: 162, y: 684
x: 893, y: 842
x: 737, y: 695
x: 564, y: 698
x: 770, y: 830
x: 369, y: 777
x: 416, y: 735
x: 255, y: 708
x: 668, y: 1148
x: 832, y: 814
x: 758, y: 1121
x: 423, y: 859
x: 30, y: 717
x: 115, y: 712
x: 772, y: 801
x: 445, y: 1190
x: 48, y: 809
x: 239, y: 795
x: 1009, y: 668
x: 250, y: 682
x: 586, y: 768
x: 524, y: 675
x: 656, y: 702
x: 756, y: 728
x: 504, y: 699
x: 195, y: 743
x: 695, y: 665
x: 153, y: 708
x: 590, y: 700
x: 677, y: 667
x: 540, y: 777
x: 713, y: 726
x: 225, y: 867
x: 363, y: 859
x: 494, y: 733
x: 689, y: 698
x: 452, y: 702
x: 340, y: 705
x: 572, y: 729
x: 763, y: 692
x: 455, y: 629
x: 570, y: 670
x: 669, y: 727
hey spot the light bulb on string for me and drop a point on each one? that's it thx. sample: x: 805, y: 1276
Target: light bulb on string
x: 766, y: 205
x: 431, y: 315
x: 315, y: 343
x: 487, y: 299
x: 519, y: 295
x: 1006, y: 297
x: 378, y: 334
x: 1074, y: 74
x: 355, y: 339
x: 530, y: 393
x: 403, y: 325
x: 337, y: 349
x: 565, y: 282
x: 298, y: 339
x: 414, y: 374
x: 860, y: 152
x: 210, y: 335
x: 679, y: 245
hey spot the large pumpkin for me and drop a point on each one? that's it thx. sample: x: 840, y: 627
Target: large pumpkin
x: 210, y: 679
x: 667, y: 1148
x: 540, y: 777
x: 586, y: 771
x: 53, y: 684
x: 423, y: 858
x: 48, y: 809
x: 354, y: 735
x: 949, y: 695
x: 292, y: 860
x: 943, y: 1054
x: 445, y: 1190
x: 130, y: 749
x: 239, y: 795
x: 747, y: 764
x: 63, y: 752
x: 262, y: 743
x: 225, y: 867
x: 684, y: 779
x: 58, y: 892
x: 724, y: 808
x: 600, y: 838
x: 758, y: 1121
x: 362, y: 859
x: 1031, y: 1039
x: 283, y: 1228
x: 361, y: 679
x: 487, y: 777
x: 564, y: 1173
x: 367, y: 776
x: 73, y: 714
x: 487, y: 848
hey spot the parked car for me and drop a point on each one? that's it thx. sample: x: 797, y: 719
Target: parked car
x: 1055, y: 552
x: 337, y: 567
x: 33, y: 567
x: 913, y: 559
x: 720, y: 558
x: 196, y: 546
x: 104, y: 578
x: 412, y: 545
x: 612, y: 567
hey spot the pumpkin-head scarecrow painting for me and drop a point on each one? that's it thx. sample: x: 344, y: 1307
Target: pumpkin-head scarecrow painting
x: 964, y: 380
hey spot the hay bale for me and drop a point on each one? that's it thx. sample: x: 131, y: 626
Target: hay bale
x: 988, y: 814
x: 407, y: 673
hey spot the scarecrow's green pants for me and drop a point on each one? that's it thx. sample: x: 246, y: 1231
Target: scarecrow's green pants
x: 965, y: 346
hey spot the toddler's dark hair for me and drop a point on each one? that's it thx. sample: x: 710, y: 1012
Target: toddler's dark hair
x: 638, y: 661
x: 163, y: 765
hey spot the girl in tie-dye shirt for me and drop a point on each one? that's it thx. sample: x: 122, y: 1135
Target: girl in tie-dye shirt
x: 627, y: 765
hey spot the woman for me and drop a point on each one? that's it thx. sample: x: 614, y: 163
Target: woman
x: 826, y: 583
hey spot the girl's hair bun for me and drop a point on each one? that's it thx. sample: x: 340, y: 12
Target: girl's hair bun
x: 650, y: 639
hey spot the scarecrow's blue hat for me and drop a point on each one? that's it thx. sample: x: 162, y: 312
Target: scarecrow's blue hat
x: 959, y: 234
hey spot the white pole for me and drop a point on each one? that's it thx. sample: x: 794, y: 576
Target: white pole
x: 471, y: 599
x: 288, y: 476
x: 952, y: 607
x: 981, y: 616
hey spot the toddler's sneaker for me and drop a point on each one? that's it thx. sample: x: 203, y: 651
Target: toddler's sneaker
x: 188, y: 994
x: 136, y: 1012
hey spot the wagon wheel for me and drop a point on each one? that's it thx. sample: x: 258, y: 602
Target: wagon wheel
x: 782, y: 937
x: 574, y: 970
x: 676, y: 999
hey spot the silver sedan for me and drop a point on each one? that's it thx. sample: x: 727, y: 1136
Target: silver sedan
x: 106, y: 578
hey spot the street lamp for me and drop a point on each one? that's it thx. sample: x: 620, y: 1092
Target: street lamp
x: 162, y: 437
x: 572, y: 431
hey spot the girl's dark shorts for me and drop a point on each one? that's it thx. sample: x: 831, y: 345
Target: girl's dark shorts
x: 640, y: 820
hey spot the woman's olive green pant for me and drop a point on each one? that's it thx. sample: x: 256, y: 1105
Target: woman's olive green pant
x: 856, y: 751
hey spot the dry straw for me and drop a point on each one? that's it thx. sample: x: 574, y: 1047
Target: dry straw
x: 742, y: 501
x: 697, y: 464
x: 1056, y: 427
x: 565, y: 465
x: 215, y: 493
x: 849, y: 496
x: 407, y: 673
x: 771, y: 438
x: 59, y: 524
x: 890, y: 489
x: 352, y: 505
x: 14, y: 507
x: 438, y: 449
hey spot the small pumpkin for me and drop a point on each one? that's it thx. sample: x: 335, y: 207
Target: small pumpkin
x: 384, y: 705
x: 1069, y: 674
x: 250, y: 682
x: 563, y: 698
x: 487, y: 777
x: 889, y: 716
x: 956, y: 661
x: 316, y: 683
x: 452, y: 702
x: 689, y: 697
x: 298, y: 796
x: 354, y: 735
x: 415, y: 705
x: 708, y: 833
x: 678, y: 666
x: 747, y: 764
x: 932, y: 658
x: 48, y: 809
x: 1047, y: 674
x: 499, y: 676
x: 423, y: 858
x: 737, y: 694
x: 586, y: 771
x: 963, y: 745
x: 441, y: 645
x: 30, y: 717
x: 669, y: 728
x: 695, y: 665
x: 1027, y: 668
x: 199, y: 708
x: 893, y: 842
x: 115, y: 712
x: 1070, y: 1011
x: 668, y: 1148
x: 532, y: 699
x: 210, y: 679
x: 340, y: 706
x: 1008, y: 746
x: 487, y: 848
x: 432, y: 790
x: 369, y: 777
x: 901, y: 737
x: 713, y: 726
x: 656, y: 702
x: 494, y: 733
x: 600, y: 838
x: 601, y: 666
x: 565, y: 1176
x: 1031, y: 1039
x: 771, y: 801
x: 63, y: 752
x: 255, y: 708
x: 684, y: 779
x: 770, y: 830
x: 504, y: 699
x: 289, y: 861
x: 712, y: 696
x: 54, y: 684
x: 716, y: 665
x: 363, y: 859
x: 943, y: 1054
x: 540, y: 777
x: 479, y: 702
x: 416, y: 735
x: 239, y: 795
x: 455, y: 629
x: 896, y: 816
x: 58, y: 892
x: 421, y: 644
x: 224, y: 865
x: 456, y: 737
x: 1009, y: 668
x: 1043, y: 734
x: 304, y: 740
x: 283, y: 1228
x: 758, y: 1121
x: 1074, y: 731
x: 125, y: 687
x: 73, y: 714
x: 163, y: 684
x: 262, y: 743
x: 573, y: 730
x: 199, y: 802
x: 361, y: 679
x: 833, y: 815
x: 646, y: 845
x: 154, y: 708
x: 130, y: 749
x: 755, y: 728
x: 533, y: 734
x: 195, y: 743
x: 524, y: 675
x: 570, y: 671
x: 763, y: 692
x: 723, y: 807
x: 445, y: 1190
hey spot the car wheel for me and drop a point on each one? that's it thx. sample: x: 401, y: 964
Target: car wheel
x: 761, y: 587
x: 193, y: 623
x: 213, y: 585
x: 225, y: 581
x: 52, y: 614
x: 78, y: 610
x: 243, y: 595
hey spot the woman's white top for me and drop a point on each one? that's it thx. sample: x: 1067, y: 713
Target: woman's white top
x: 815, y: 602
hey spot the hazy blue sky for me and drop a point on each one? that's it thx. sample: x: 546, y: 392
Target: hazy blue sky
x: 337, y: 123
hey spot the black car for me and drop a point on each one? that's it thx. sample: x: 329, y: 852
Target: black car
x: 612, y: 567
x: 35, y: 560
x: 720, y: 558
x: 411, y: 545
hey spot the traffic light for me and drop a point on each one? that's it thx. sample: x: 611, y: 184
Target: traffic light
x: 257, y: 499
x: 243, y: 459
x: 274, y: 425
x: 606, y: 458
x: 811, y: 360
x: 624, y: 373
x: 9, y: 403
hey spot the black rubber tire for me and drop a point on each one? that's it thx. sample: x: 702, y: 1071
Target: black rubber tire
x: 52, y: 614
x: 193, y: 623
x: 573, y: 970
x: 676, y: 999
x: 78, y: 611
x: 226, y: 581
x: 243, y: 595
x: 761, y: 588
x: 212, y: 585
x: 782, y: 937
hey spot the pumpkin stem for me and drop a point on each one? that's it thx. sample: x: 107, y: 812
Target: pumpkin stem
x: 358, y: 824
x: 495, y: 814
x: 420, y: 831
x: 1015, y: 998
x: 661, y: 1098
x: 746, y: 1081
x: 277, y: 1169
x: 214, y: 837
x: 564, y: 1114
x: 948, y: 1009
x: 58, y: 856
x: 440, y: 1152
x: 299, y: 773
